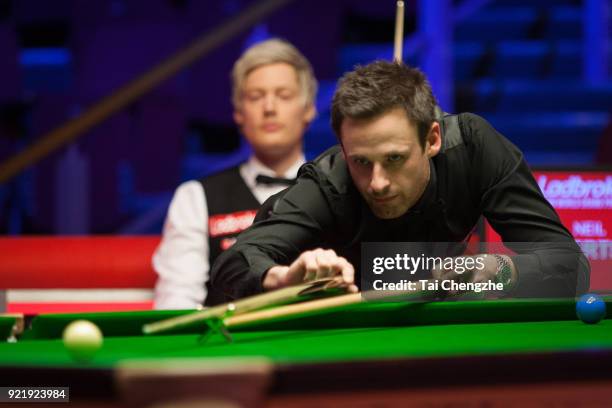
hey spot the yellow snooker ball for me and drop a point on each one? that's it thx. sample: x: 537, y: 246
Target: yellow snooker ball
x: 82, y: 339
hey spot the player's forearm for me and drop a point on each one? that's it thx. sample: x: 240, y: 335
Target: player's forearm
x: 235, y: 277
x: 551, y: 272
x: 505, y: 272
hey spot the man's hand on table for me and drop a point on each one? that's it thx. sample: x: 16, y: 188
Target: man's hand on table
x: 309, y: 266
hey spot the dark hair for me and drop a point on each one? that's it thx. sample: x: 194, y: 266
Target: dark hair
x: 376, y: 88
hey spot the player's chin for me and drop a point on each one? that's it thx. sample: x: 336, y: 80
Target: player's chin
x: 275, y: 145
x: 384, y: 211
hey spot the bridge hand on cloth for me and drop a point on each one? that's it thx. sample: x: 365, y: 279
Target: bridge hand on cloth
x: 309, y: 266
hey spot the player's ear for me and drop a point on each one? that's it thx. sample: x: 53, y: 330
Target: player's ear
x: 310, y: 113
x: 238, y: 118
x: 433, y: 142
x: 342, y: 148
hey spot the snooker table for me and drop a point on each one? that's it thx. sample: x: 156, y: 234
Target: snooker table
x: 480, y: 353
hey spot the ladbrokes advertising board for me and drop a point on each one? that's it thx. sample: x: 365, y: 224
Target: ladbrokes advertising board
x: 583, y: 200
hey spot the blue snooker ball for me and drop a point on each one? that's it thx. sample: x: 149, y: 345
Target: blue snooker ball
x: 590, y: 308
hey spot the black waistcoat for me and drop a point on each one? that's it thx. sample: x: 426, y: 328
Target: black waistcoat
x: 231, y: 209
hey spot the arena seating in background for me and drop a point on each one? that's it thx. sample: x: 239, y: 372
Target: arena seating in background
x: 76, y: 274
x: 9, y: 69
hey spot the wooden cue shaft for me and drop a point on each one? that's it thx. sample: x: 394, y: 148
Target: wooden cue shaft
x: 399, y: 32
x: 337, y: 301
x: 240, y: 306
x: 19, y: 324
x: 292, y: 310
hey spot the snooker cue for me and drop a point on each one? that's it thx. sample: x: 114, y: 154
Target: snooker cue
x: 328, y: 303
x: 399, y: 32
x: 293, y: 310
x: 280, y: 296
x: 18, y: 324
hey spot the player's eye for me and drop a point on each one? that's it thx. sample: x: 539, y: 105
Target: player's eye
x: 285, y: 95
x: 253, y: 96
x: 361, y: 161
x: 395, y: 158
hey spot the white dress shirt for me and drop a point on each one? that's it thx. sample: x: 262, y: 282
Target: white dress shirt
x: 181, y: 260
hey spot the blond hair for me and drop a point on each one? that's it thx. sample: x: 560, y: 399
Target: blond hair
x: 271, y: 52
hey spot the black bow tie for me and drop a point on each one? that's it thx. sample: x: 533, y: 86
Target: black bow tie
x: 263, y: 179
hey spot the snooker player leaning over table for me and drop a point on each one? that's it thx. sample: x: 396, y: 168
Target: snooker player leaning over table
x: 404, y: 172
